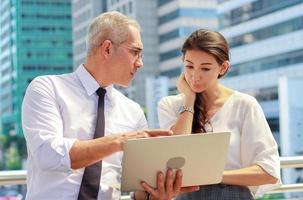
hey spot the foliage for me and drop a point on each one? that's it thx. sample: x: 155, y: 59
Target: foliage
x: 272, y: 197
x: 12, y: 158
x: 13, y: 152
x: 2, y: 142
x: 20, y: 143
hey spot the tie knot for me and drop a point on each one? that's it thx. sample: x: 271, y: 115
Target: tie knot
x: 101, y: 92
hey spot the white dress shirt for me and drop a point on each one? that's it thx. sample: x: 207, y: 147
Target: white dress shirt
x: 57, y: 110
x: 251, y: 140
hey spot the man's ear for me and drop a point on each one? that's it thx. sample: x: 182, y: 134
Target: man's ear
x: 224, y: 67
x: 106, y: 48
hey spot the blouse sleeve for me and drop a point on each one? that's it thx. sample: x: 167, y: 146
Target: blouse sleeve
x: 167, y: 112
x: 258, y: 145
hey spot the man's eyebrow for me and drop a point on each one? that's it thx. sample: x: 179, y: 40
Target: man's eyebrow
x: 138, y: 48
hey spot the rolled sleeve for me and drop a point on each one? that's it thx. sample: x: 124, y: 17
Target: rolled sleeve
x: 43, y: 128
x: 57, y: 153
x: 258, y: 145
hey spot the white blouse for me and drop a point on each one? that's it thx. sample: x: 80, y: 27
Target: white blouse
x: 251, y: 140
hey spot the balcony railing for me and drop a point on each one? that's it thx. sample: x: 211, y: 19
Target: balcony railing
x: 13, y: 177
x: 290, y: 162
x: 16, y: 177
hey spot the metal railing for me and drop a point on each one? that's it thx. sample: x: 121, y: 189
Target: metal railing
x: 16, y: 177
x: 290, y: 162
x: 13, y: 177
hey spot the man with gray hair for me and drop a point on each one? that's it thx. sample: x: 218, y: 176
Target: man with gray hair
x: 75, y: 124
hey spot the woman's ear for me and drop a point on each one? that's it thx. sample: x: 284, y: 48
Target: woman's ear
x: 224, y: 67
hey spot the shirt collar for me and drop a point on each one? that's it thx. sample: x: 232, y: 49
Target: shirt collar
x: 90, y: 84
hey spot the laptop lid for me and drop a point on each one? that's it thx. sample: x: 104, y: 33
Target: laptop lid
x: 201, y: 157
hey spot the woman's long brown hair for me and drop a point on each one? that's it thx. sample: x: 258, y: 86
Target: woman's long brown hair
x: 215, y: 44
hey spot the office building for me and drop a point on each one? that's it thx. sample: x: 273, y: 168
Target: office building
x: 156, y: 88
x: 35, y: 39
x: 82, y: 14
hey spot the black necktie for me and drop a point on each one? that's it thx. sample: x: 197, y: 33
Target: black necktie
x: 91, y: 178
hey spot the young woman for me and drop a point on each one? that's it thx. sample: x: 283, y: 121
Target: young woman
x: 205, y: 105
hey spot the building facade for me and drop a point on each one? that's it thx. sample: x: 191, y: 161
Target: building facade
x: 82, y: 14
x: 156, y: 88
x: 35, y: 39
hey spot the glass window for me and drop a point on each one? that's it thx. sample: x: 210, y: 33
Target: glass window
x: 268, y: 32
x: 253, y: 10
x: 172, y: 73
x: 163, y: 2
x: 170, y: 54
x: 190, y: 12
x: 267, y: 63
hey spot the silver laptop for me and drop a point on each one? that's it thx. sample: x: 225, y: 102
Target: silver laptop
x: 201, y: 157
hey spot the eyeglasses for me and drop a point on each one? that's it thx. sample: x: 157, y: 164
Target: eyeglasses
x: 137, y: 52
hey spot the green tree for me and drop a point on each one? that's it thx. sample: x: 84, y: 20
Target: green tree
x: 13, y: 160
x: 277, y: 196
x: 3, y: 139
x: 13, y: 152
